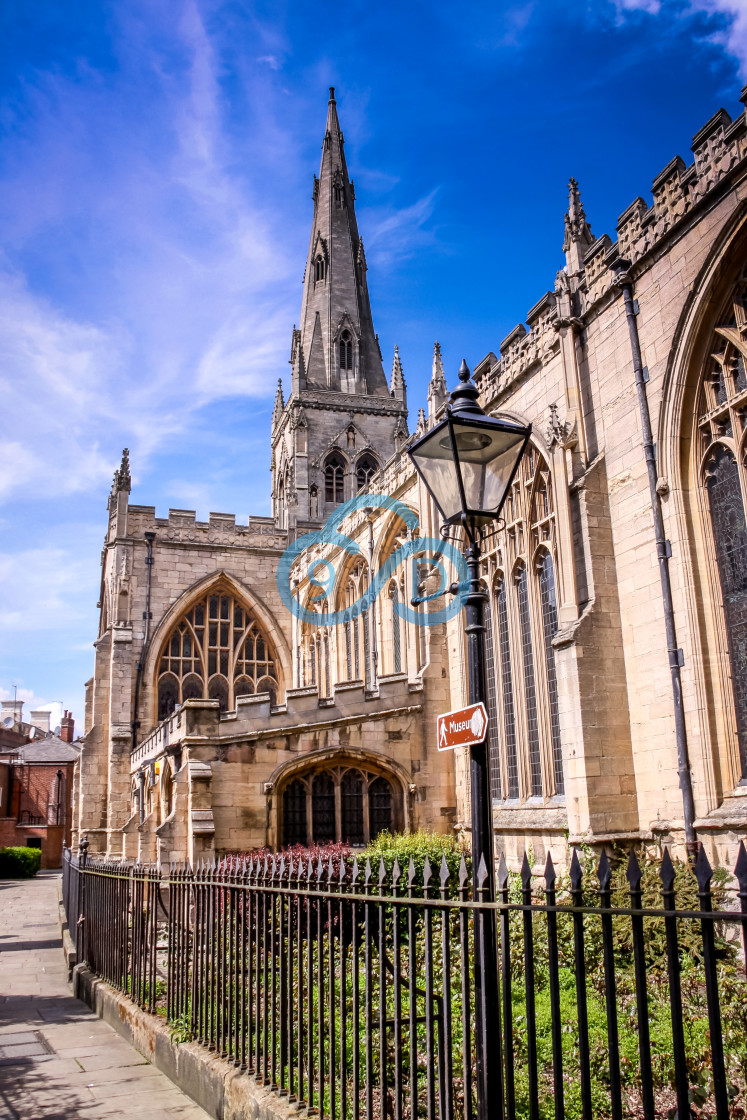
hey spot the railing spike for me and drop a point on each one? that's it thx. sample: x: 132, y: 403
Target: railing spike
x: 444, y: 874
x: 577, y: 873
x: 526, y: 872
x: 396, y: 872
x: 633, y: 873
x: 702, y: 868
x: 549, y: 873
x: 666, y: 871
x: 411, y: 873
x: 356, y: 869
x: 319, y: 870
x: 740, y: 868
x: 482, y: 872
x: 343, y: 869
x: 502, y: 872
x: 382, y: 872
x: 330, y: 870
x: 427, y: 873
x: 604, y: 871
x: 368, y: 871
x: 463, y: 872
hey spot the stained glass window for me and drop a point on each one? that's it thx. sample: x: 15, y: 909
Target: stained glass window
x: 492, y: 707
x: 294, y: 814
x: 217, y: 650
x: 323, y: 808
x: 507, y: 689
x: 352, y: 805
x: 730, y: 537
x: 549, y: 629
x: 530, y: 692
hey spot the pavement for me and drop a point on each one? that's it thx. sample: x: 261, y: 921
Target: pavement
x: 59, y: 1061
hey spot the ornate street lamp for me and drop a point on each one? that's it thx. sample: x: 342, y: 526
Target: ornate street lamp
x: 468, y: 462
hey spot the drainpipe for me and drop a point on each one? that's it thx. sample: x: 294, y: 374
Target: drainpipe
x: 141, y: 795
x: 149, y: 538
x: 664, y: 552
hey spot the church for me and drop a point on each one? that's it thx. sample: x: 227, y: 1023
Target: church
x: 232, y: 709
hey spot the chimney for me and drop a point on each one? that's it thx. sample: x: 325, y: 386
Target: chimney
x: 12, y: 709
x: 67, y: 726
x: 41, y: 719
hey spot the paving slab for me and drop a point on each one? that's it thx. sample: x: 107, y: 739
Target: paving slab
x: 58, y: 1060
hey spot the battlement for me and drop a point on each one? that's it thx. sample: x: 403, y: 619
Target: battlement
x: 717, y: 148
x: 182, y: 526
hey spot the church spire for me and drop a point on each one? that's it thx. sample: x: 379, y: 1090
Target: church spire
x: 398, y: 389
x: 578, y: 235
x: 339, y: 347
x: 437, y: 392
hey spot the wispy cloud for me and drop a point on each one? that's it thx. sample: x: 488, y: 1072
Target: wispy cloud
x: 397, y: 234
x: 729, y: 16
x: 186, y: 299
x: 44, y: 588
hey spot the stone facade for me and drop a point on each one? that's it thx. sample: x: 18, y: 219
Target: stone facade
x: 585, y: 659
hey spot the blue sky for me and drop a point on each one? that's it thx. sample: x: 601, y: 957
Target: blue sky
x: 155, y: 173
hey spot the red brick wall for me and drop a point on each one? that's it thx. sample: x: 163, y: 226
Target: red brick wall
x: 33, y: 786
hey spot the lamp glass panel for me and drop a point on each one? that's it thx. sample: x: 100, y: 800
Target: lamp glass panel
x: 434, y: 459
x: 487, y: 457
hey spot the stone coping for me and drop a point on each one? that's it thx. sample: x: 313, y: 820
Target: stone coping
x: 222, y: 1090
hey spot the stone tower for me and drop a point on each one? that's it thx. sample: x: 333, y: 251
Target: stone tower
x: 342, y: 422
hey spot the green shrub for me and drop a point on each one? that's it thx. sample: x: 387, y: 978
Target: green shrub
x: 404, y: 846
x: 19, y: 863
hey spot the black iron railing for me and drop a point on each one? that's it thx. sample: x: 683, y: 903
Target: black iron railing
x: 351, y: 989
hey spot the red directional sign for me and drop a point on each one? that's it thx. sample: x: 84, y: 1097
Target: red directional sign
x: 464, y: 728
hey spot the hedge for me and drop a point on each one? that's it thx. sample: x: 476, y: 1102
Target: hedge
x: 19, y: 863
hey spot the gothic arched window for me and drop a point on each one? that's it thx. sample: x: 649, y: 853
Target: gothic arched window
x: 354, y: 586
x: 492, y: 706
x: 347, y: 803
x: 365, y: 469
x: 218, y: 651
x: 320, y: 270
x: 526, y: 757
x: 720, y: 448
x: 346, y: 350
x: 549, y: 630
x: 334, y: 478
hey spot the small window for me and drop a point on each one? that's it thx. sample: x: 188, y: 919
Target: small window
x: 334, y: 479
x: 346, y: 350
x: 319, y: 268
x: 366, y: 469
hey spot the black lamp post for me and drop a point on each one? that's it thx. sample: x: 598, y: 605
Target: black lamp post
x: 468, y: 462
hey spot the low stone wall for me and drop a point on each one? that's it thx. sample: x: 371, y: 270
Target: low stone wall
x: 222, y: 1090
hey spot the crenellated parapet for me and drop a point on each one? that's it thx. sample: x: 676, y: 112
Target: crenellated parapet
x: 522, y: 351
x: 182, y: 526
x: 592, y: 265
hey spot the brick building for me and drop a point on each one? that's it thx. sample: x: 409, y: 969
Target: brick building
x: 36, y: 785
x: 219, y: 719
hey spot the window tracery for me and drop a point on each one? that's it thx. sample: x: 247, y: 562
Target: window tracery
x: 346, y: 803
x: 355, y: 585
x: 526, y: 755
x: 365, y: 469
x: 218, y: 651
x: 334, y: 478
x: 721, y: 448
x: 346, y: 350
